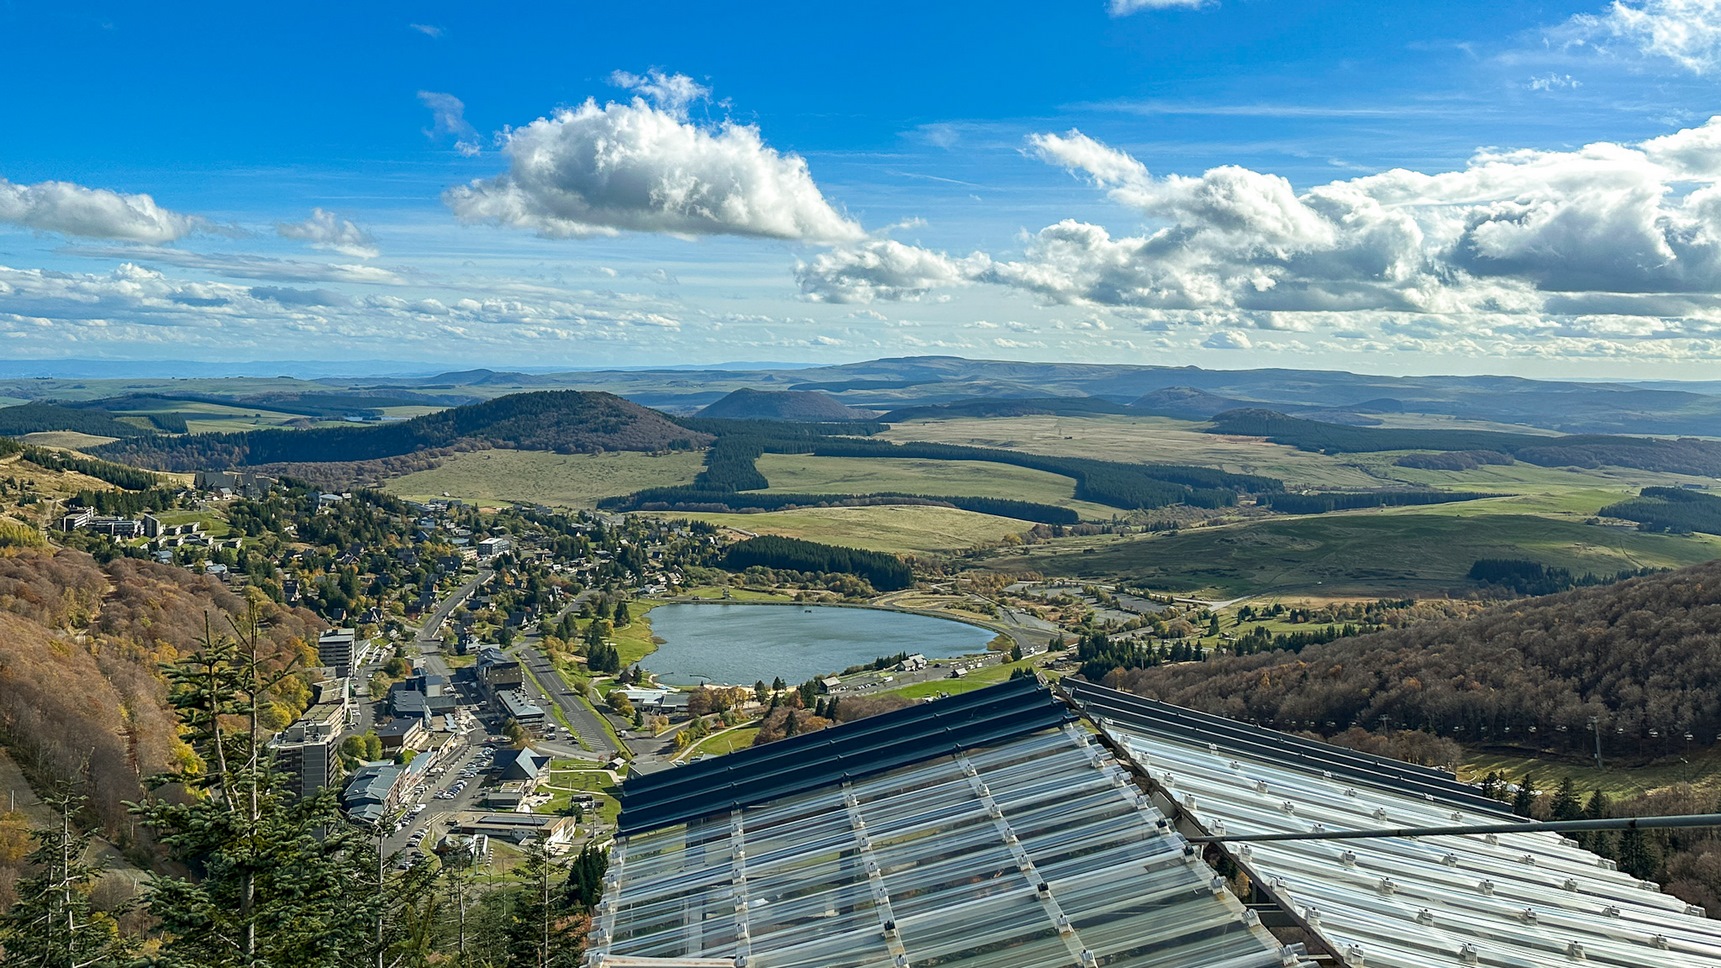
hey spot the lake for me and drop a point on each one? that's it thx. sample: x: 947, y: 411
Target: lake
x: 739, y: 644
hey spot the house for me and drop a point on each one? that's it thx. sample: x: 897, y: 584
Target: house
x: 525, y: 765
x: 555, y: 832
x: 515, y: 705
x: 405, y: 733
x: 373, y: 792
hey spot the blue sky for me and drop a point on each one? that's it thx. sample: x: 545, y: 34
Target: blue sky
x: 1408, y: 187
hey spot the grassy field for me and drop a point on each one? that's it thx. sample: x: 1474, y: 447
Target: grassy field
x: 67, y: 440
x: 1617, y: 781
x: 562, y: 480
x: 907, y: 529
x: 1159, y: 440
x: 804, y: 474
x: 1404, y: 551
x: 213, y: 523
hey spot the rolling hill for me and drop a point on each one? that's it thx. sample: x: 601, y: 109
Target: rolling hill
x: 561, y: 421
x: 801, y: 406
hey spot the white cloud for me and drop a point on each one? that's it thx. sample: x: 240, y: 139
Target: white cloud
x: 1229, y: 339
x: 1555, y: 82
x: 1123, y: 8
x: 448, y: 121
x: 671, y: 93
x: 881, y: 269
x: 1687, y: 32
x: 97, y: 213
x: 428, y: 30
x: 328, y: 231
x: 642, y: 167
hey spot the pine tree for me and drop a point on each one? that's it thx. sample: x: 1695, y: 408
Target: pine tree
x: 1525, y: 798
x: 1637, y: 856
x: 1566, y: 805
x: 271, y: 875
x: 543, y: 930
x: 53, y: 924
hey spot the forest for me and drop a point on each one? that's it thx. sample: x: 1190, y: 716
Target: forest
x: 885, y: 572
x: 562, y: 421
x: 81, y: 690
x: 691, y: 500
x: 1641, y: 656
x: 1671, y: 509
x: 30, y: 418
x: 1287, y: 503
x: 1685, y: 455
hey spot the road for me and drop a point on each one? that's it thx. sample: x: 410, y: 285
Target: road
x: 585, y: 722
x: 430, y: 631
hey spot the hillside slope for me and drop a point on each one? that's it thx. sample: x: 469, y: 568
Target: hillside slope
x: 80, y: 681
x: 1643, y: 656
x: 563, y: 421
x: 803, y: 406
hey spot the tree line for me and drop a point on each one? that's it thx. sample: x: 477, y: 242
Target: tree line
x: 1288, y: 503
x: 30, y: 418
x: 1685, y: 455
x: 1640, y: 657
x: 885, y: 572
x: 1675, y: 510
x: 688, y: 499
x: 1523, y: 577
x: 563, y: 421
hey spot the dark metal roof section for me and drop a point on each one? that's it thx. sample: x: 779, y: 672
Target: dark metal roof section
x: 814, y: 760
x: 1152, y: 716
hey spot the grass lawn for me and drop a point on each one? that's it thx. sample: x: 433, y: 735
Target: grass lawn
x: 978, y: 679
x: 900, y: 529
x: 568, y: 777
x: 715, y: 593
x: 212, y: 521
x: 1368, y: 553
x: 1617, y: 781
x: 805, y: 474
x: 726, y: 742
x: 563, y: 480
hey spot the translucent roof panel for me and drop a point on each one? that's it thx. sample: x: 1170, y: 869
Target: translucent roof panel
x: 1516, y: 899
x: 1031, y: 852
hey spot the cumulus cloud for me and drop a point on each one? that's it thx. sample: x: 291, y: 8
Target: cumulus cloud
x: 1123, y: 8
x: 97, y: 213
x: 882, y: 269
x: 328, y: 231
x: 1502, y: 234
x: 1687, y: 32
x: 1229, y: 339
x: 644, y: 167
x: 448, y: 122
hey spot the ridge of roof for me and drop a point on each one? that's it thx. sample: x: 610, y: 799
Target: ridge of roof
x: 850, y: 750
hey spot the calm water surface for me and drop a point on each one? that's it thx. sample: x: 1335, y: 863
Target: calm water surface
x: 741, y: 644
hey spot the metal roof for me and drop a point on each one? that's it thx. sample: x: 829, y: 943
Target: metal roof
x: 853, y: 750
x: 1031, y: 850
x: 1522, y: 900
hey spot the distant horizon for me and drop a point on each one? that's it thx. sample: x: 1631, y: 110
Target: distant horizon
x: 400, y: 369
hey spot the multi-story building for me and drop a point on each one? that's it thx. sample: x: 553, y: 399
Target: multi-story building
x: 335, y: 650
x: 309, y: 749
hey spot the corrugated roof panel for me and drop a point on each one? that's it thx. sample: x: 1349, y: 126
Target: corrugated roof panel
x: 1037, y: 850
x: 1517, y: 899
x: 813, y: 760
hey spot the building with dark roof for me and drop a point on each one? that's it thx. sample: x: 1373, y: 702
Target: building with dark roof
x: 993, y: 829
x: 983, y: 831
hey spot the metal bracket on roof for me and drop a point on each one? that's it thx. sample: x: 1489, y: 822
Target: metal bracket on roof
x: 1025, y: 864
